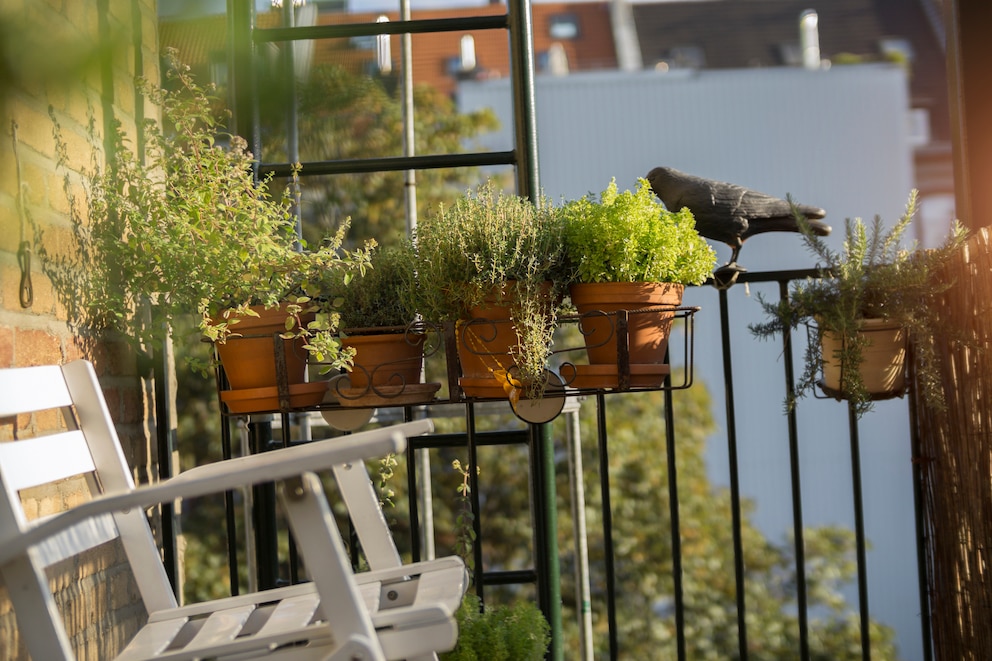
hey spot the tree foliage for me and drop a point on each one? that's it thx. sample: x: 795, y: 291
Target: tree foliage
x: 342, y: 116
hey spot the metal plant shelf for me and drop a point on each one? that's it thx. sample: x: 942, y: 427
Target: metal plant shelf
x: 566, y: 362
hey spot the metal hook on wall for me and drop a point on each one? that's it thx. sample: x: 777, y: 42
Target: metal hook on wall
x: 26, y: 290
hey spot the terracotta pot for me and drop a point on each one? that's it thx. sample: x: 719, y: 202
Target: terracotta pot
x: 484, y: 349
x: 386, y: 359
x: 249, y: 358
x: 485, y: 346
x: 647, y: 332
x: 883, y: 366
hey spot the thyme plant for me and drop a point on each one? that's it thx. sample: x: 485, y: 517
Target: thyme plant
x: 494, y: 247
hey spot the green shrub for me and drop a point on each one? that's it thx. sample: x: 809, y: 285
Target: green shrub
x: 499, y: 633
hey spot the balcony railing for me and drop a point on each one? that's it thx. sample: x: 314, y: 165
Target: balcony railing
x: 802, y: 467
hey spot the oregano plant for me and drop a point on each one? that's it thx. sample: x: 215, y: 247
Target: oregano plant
x: 188, y: 226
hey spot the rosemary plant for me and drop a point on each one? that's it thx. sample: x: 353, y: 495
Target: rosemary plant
x: 873, y: 277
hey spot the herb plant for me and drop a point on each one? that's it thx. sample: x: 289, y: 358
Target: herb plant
x: 497, y: 633
x: 632, y: 237
x: 189, y: 226
x: 873, y: 276
x: 517, y: 632
x: 498, y: 248
x: 384, y: 296
x: 468, y: 251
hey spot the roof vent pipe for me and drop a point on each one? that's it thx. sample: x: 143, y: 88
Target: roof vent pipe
x: 809, y: 39
x: 625, y: 36
x: 557, y: 60
x: 466, y: 53
x: 383, y: 51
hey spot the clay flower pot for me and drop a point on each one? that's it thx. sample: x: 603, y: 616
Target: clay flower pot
x: 647, y: 332
x: 387, y: 370
x: 249, y: 358
x: 883, y: 365
x: 485, y: 343
x: 249, y: 361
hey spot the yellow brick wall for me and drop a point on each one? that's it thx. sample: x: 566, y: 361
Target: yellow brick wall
x: 99, y: 599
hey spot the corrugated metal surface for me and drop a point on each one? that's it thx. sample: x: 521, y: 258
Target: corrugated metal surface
x: 836, y: 138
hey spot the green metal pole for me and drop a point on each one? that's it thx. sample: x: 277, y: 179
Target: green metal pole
x: 525, y: 111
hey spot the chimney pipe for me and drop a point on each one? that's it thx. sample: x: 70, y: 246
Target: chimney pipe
x: 809, y: 39
x: 383, y: 51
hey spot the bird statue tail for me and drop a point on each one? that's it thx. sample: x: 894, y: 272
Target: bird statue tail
x: 802, y: 214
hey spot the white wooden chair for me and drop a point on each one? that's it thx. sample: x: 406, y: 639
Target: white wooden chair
x: 338, y: 616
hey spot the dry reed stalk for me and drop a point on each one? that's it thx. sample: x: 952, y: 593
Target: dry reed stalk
x: 956, y: 461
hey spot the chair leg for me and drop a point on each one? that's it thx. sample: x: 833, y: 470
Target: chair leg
x: 25, y: 584
x: 320, y: 543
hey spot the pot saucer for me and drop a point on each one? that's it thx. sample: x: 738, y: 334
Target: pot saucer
x: 650, y: 375
x: 256, y: 400
x: 543, y: 409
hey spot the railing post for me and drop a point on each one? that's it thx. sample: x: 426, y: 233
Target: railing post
x: 735, y: 488
x: 608, y: 550
x: 525, y: 110
x: 676, y: 526
x: 545, y: 506
x: 859, y: 532
x: 798, y: 527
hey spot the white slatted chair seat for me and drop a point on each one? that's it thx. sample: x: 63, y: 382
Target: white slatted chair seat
x: 391, y: 612
x: 226, y: 631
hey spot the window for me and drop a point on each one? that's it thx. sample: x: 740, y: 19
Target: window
x: 564, y: 26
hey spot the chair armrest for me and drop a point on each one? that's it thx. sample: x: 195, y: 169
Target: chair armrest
x: 225, y: 475
x: 414, y: 569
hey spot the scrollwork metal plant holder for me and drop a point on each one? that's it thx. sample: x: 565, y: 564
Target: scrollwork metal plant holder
x: 628, y: 376
x: 349, y: 406
x: 394, y: 382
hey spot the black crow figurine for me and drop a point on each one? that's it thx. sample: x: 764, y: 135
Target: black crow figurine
x: 730, y: 213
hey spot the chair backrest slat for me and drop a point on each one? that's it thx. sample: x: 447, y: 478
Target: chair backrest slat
x: 44, y: 459
x: 29, y: 389
x: 93, y: 452
x: 363, y: 503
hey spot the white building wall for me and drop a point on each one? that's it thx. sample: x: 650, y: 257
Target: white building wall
x: 836, y: 138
